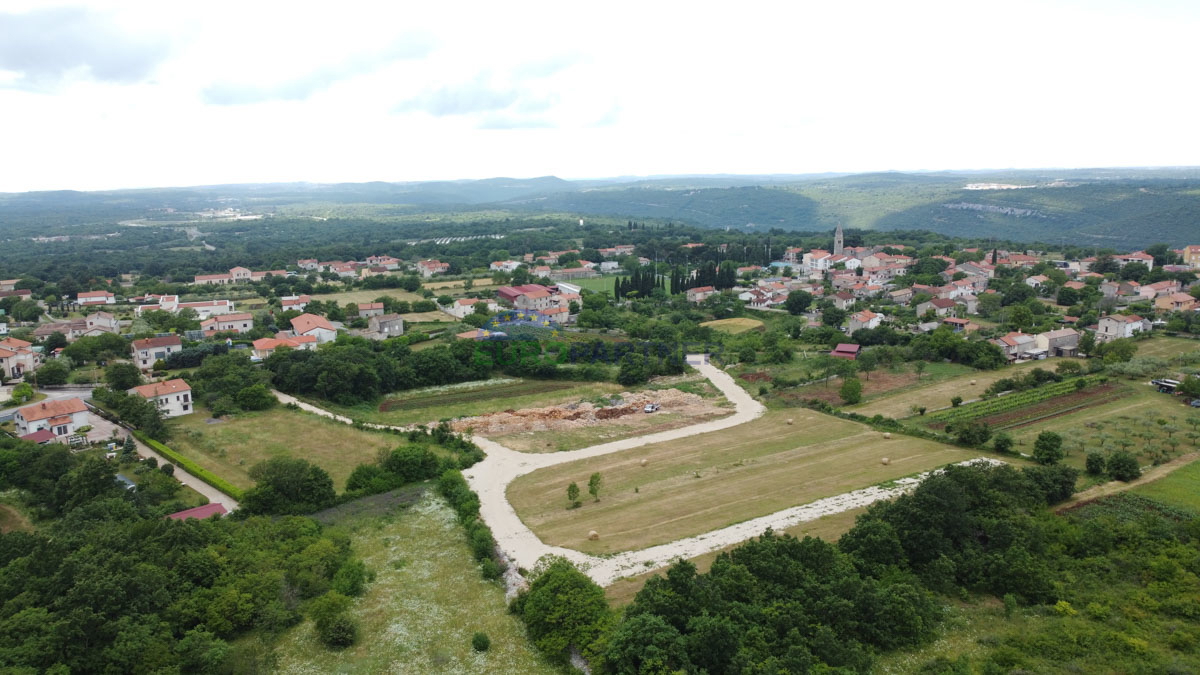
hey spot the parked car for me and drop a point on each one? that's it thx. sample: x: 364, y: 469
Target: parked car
x: 1195, y: 403
x: 651, y: 407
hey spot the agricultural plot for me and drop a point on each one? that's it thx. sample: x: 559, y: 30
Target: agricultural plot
x: 598, y: 284
x: 1021, y: 406
x: 420, y: 612
x: 1166, y: 347
x: 471, y: 398
x: 368, y: 295
x: 1155, y: 427
x: 456, y: 286
x: 938, y: 394
x: 1180, y: 488
x: 879, y: 383
x: 735, y: 326
x: 230, y: 448
x: 693, y: 485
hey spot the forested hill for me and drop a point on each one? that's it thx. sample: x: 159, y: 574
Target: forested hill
x: 1111, y: 208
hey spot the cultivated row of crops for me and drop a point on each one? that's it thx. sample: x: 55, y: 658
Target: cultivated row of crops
x: 1011, y: 401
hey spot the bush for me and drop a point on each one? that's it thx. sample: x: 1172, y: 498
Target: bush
x: 1047, y: 449
x: 1123, y: 466
x: 1002, y: 443
x: 339, y: 632
x: 1095, y: 463
x: 190, y: 466
x: 956, y: 401
x: 480, y: 642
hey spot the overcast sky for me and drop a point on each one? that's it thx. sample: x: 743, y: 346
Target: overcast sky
x: 130, y: 94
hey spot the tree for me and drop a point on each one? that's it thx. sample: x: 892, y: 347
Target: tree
x: 1002, y: 443
x: 1190, y: 386
x: 1047, y: 449
x: 563, y: 609
x: 1119, y: 351
x: 285, y: 486
x: 55, y: 340
x: 1123, y: 466
x: 974, y: 433
x: 572, y: 495
x: 22, y: 392
x: 1095, y: 463
x: 955, y: 401
x: 832, y: 316
x: 1087, y: 342
x: 122, y: 376
x: 867, y: 362
x: 851, y: 391
x: 594, y: 483
x: 797, y: 302
x: 53, y: 372
x: 919, y: 368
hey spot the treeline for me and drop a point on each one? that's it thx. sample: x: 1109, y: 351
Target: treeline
x: 111, y: 585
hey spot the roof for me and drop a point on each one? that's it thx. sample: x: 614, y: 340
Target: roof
x: 14, y: 343
x: 865, y: 315
x: 94, y: 294
x: 1124, y: 318
x: 268, y: 344
x: 151, y: 343
x: 240, y: 316
x: 1060, y: 333
x: 384, y: 318
x: 956, y: 322
x: 309, y: 322
x: 39, y: 437
x: 200, y: 512
x: 942, y: 303
x: 467, y: 301
x: 843, y: 295
x: 701, y: 289
x: 156, y: 389
x: 369, y: 305
x: 51, y: 409
x: 846, y: 349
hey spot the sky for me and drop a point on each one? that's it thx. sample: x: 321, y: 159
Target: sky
x: 104, y: 95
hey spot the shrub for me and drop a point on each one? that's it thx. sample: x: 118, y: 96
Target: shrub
x: 1047, y: 449
x: 956, y: 401
x: 190, y: 466
x: 1095, y: 463
x: 339, y: 632
x: 1123, y: 466
x: 480, y: 642
x: 1002, y: 443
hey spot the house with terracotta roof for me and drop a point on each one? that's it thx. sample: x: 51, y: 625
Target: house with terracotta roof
x: 242, y: 322
x: 1037, y: 281
x: 172, y: 397
x: 369, y: 309
x: 199, y: 512
x: 1116, y: 326
x: 864, y: 319
x: 846, y: 351
x: 428, y: 268
x: 92, y: 298
x: 316, y: 326
x: 536, y: 300
x: 17, y: 358
x: 62, y: 417
x: 1190, y: 255
x: 1175, y: 302
x: 150, y: 350
x: 1015, y: 345
x: 296, y: 302
x: 843, y: 299
x: 700, y: 294
x: 940, y: 307
x: 264, y: 347
x: 1137, y: 256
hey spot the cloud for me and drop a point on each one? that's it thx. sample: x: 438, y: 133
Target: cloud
x: 299, y: 88
x: 505, y: 121
x: 47, y: 46
x: 464, y: 99
x: 548, y: 66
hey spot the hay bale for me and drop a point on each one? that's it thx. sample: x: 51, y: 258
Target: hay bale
x: 644, y: 462
x: 887, y: 435
x: 593, y: 535
x: 789, y: 421
x: 885, y: 461
x: 972, y: 381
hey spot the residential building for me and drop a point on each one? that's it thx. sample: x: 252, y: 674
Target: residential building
x: 385, y: 261
x: 242, y: 322
x: 101, y: 322
x: 62, y: 417
x: 504, y: 266
x: 9, y: 284
x: 700, y: 294
x: 1190, y: 255
x: 901, y: 296
x: 464, y: 307
x: 1137, y: 256
x: 510, y: 294
x: 428, y: 268
x: 316, y: 326
x: 307, y: 264
x: 264, y: 347
x: 541, y: 271
x: 386, y: 325
x: 1115, y: 326
x: 1015, y: 345
x: 17, y: 357
x: 864, y: 319
x: 172, y: 397
x: 1175, y: 302
x: 842, y: 299
x: 150, y: 350
x: 1037, y: 281
x: 609, y: 266
x: 296, y: 302
x: 535, y: 300
x: 92, y: 298
x: 1061, y: 342
x: 940, y: 307
x: 369, y: 309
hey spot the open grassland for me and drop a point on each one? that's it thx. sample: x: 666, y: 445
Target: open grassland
x: 368, y: 295
x: 426, y: 602
x: 830, y: 528
x: 598, y: 284
x: 230, y: 448
x: 693, y: 485
x: 455, y: 287
x: 437, y: 403
x: 1166, y: 347
x: 1180, y: 488
x: 1142, y: 421
x: 937, y: 394
x: 877, y: 384
x: 734, y: 326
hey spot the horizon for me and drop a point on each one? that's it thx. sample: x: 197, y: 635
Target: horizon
x: 106, y: 95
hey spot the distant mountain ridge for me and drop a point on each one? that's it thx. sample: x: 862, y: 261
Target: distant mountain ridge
x: 1120, y: 208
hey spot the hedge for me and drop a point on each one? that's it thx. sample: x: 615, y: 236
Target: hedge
x: 190, y: 466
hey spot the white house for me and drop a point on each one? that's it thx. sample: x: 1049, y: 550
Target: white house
x: 464, y: 307
x: 264, y: 347
x: 16, y: 357
x: 61, y: 417
x: 700, y: 294
x: 296, y: 302
x: 504, y: 266
x: 1115, y: 326
x: 316, y: 326
x: 172, y: 398
x: 609, y: 266
x: 428, y: 268
x: 864, y: 319
x: 147, y: 352
x: 91, y: 298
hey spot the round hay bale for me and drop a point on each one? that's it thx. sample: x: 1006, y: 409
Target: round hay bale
x: 789, y: 421
x: 887, y: 435
x: 644, y: 462
x: 593, y: 535
x: 972, y: 381
x: 885, y: 461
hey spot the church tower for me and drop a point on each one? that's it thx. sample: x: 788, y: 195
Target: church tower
x: 837, y: 240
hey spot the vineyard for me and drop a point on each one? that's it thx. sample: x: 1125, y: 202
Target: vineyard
x: 512, y: 390
x: 1009, y: 402
x: 1059, y: 405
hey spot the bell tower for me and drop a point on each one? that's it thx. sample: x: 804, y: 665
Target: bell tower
x: 837, y: 240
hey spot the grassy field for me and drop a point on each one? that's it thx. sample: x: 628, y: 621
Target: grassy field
x: 1179, y: 488
x: 368, y: 295
x: 734, y: 326
x: 12, y: 517
x: 693, y: 485
x: 1167, y: 347
x: 1130, y: 423
x: 830, y: 528
x: 230, y: 448
x: 456, y: 286
x: 883, y: 382
x: 437, y: 403
x: 937, y: 394
x: 426, y: 602
x: 598, y: 284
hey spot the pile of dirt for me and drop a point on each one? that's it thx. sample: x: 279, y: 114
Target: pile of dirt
x: 585, y: 413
